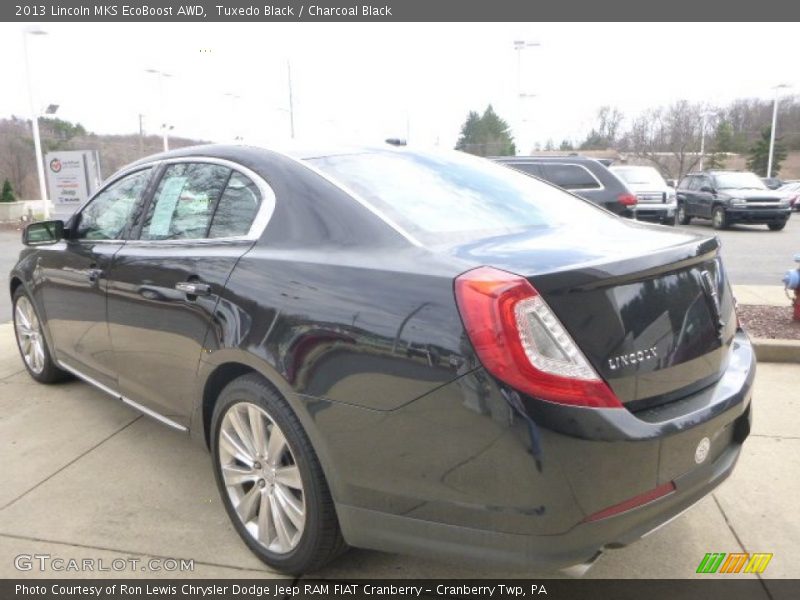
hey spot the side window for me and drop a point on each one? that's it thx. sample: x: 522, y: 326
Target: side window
x: 694, y: 183
x: 684, y: 183
x: 110, y: 212
x: 184, y: 201
x: 569, y: 177
x: 704, y: 181
x: 527, y: 168
x: 236, y: 209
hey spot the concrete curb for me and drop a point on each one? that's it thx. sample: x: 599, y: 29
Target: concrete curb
x: 777, y: 351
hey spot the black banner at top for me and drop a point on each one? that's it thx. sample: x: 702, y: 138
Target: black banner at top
x: 394, y: 10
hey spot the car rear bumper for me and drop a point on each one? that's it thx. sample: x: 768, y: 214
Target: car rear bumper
x: 647, y: 211
x: 523, y: 492
x: 581, y: 544
x: 755, y: 216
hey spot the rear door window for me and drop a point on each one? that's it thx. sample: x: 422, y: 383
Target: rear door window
x: 570, y: 177
x: 184, y: 202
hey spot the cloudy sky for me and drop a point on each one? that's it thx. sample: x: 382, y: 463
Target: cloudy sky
x: 365, y: 82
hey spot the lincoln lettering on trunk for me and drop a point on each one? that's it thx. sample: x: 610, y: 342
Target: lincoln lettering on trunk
x: 634, y: 358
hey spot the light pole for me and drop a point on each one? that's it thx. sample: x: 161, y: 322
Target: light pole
x: 519, y: 46
x: 704, y: 116
x: 37, y: 142
x: 234, y: 105
x: 291, y: 100
x: 162, y: 98
x: 774, y: 123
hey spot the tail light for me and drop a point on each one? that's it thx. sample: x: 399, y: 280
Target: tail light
x: 631, y: 503
x: 520, y: 341
x: 627, y: 199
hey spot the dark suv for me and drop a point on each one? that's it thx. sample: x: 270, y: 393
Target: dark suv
x: 580, y: 175
x: 728, y: 197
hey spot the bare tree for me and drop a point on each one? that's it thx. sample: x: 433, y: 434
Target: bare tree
x: 668, y: 137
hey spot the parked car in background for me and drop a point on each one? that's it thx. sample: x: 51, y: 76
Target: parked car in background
x: 772, y: 183
x: 791, y: 191
x: 728, y: 197
x: 655, y: 200
x: 409, y: 351
x: 580, y: 175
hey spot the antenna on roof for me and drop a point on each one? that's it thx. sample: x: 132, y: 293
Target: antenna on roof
x: 395, y: 141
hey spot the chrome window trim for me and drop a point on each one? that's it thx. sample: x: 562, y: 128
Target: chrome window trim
x: 257, y: 227
x: 111, y: 392
x: 357, y: 197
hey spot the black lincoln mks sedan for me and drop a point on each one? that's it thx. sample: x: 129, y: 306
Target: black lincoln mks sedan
x: 395, y: 349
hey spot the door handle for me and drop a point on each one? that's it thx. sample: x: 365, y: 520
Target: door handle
x: 193, y: 288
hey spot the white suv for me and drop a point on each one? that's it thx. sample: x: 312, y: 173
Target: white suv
x: 655, y: 199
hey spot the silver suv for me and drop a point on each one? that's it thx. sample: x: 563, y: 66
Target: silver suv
x: 655, y: 199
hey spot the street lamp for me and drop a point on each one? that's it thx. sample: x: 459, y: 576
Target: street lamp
x: 37, y: 142
x: 704, y: 116
x: 164, y: 129
x: 519, y: 46
x: 774, y: 123
x: 235, y: 113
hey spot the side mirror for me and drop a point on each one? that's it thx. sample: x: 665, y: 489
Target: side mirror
x: 707, y: 188
x: 43, y: 233
x: 671, y: 183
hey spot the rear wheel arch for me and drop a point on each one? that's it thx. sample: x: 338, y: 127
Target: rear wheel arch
x: 14, y: 284
x: 239, y: 364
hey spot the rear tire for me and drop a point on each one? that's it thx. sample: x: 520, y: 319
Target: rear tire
x: 31, y: 342
x: 719, y: 219
x: 270, y: 479
x: 776, y: 226
x: 682, y: 216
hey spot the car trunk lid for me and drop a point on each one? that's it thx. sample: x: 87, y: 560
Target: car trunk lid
x: 650, y: 308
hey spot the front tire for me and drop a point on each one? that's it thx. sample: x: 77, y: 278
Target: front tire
x: 776, y: 226
x: 719, y: 219
x: 31, y: 341
x: 270, y: 479
x: 683, y: 217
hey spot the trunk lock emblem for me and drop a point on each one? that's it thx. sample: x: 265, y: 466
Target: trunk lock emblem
x: 701, y: 452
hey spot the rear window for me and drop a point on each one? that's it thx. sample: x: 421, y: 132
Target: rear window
x: 569, y: 177
x: 443, y: 196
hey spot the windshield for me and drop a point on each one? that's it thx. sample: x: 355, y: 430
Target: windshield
x: 738, y: 181
x: 640, y: 176
x: 448, y: 196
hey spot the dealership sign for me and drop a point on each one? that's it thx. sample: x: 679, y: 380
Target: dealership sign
x: 72, y: 177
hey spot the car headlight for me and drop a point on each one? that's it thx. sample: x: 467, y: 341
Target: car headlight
x: 784, y: 203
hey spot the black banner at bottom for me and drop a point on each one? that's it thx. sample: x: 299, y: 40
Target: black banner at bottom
x: 402, y: 589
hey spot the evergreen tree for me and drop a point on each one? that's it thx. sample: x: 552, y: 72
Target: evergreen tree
x: 486, y: 135
x: 759, y: 155
x: 7, y: 194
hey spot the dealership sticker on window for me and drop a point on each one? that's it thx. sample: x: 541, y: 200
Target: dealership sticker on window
x: 165, y: 206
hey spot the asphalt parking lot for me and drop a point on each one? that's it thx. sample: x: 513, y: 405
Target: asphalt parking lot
x: 87, y: 477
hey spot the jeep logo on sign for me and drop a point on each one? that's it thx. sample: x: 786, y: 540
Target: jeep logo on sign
x: 632, y: 359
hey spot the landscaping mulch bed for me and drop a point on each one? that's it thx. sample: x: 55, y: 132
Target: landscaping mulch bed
x: 771, y: 322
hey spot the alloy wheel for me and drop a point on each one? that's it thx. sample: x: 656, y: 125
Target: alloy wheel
x: 261, y: 477
x: 29, y: 335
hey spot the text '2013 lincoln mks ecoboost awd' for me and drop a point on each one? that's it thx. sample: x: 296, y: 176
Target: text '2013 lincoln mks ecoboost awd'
x: 411, y: 351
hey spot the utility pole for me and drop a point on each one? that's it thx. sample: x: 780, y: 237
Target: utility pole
x: 291, y: 101
x: 141, y: 134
